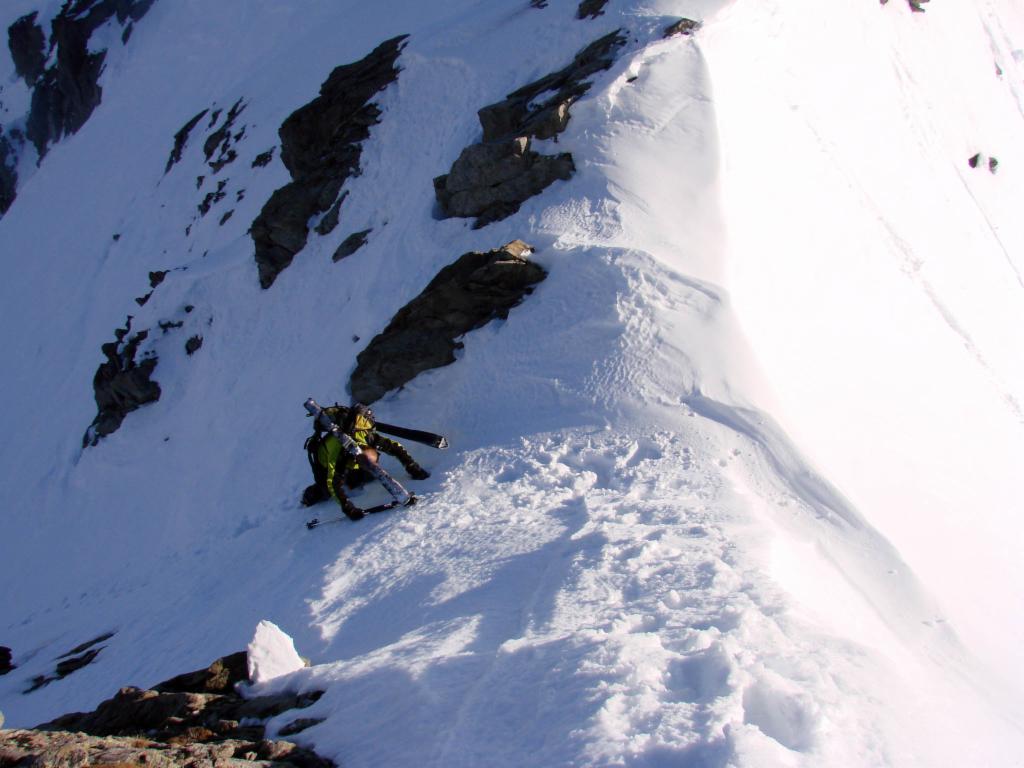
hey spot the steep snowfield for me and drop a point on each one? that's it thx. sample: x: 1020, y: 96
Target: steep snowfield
x: 733, y: 487
x: 889, y: 273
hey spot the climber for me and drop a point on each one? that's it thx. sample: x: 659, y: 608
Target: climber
x: 334, y: 469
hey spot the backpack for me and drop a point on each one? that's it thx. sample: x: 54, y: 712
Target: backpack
x: 348, y: 419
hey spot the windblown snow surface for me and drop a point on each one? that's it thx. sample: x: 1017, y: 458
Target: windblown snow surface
x: 737, y: 486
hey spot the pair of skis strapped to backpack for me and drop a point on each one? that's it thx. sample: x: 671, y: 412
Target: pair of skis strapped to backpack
x: 417, y: 435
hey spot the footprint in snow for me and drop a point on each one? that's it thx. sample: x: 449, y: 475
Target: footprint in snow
x: 699, y: 678
x: 781, y: 711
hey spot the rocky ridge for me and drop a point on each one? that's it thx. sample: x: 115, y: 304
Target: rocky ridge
x: 122, y: 383
x: 492, y: 178
x: 590, y: 9
x: 27, y: 43
x: 467, y: 294
x: 197, y: 719
x: 320, y: 145
x: 321, y: 148
x: 64, y: 94
x: 68, y: 663
x: 8, y: 174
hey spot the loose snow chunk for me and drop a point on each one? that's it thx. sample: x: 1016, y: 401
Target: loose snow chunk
x: 271, y: 654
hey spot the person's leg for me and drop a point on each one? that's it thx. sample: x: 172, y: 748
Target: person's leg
x: 357, y: 475
x: 396, y: 449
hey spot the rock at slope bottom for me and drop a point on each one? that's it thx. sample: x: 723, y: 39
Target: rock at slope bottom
x: 195, y: 719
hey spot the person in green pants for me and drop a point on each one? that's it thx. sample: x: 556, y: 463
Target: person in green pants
x: 334, y: 469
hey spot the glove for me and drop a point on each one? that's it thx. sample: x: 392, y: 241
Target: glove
x: 352, y: 512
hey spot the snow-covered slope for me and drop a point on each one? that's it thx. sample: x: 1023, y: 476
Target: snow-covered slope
x: 735, y: 486
x: 896, y: 295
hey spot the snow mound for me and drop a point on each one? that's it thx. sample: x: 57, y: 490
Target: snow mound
x: 272, y: 654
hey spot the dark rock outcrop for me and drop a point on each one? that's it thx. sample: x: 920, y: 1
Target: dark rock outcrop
x: 212, y: 198
x: 87, y: 645
x: 491, y: 179
x: 915, y: 5
x: 521, y: 114
x: 263, y: 159
x: 72, y: 661
x: 181, y: 139
x: 220, y: 142
x: 155, y: 278
x: 5, y: 660
x: 591, y: 9
x: 8, y: 175
x: 219, y: 677
x: 66, y: 94
x: 29, y: 749
x: 320, y: 147
x: 330, y: 221
x: 122, y: 383
x: 27, y: 43
x: 682, y: 27
x: 467, y: 294
x: 196, y: 719
x: 351, y: 244
x: 171, y: 715
x: 975, y: 160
